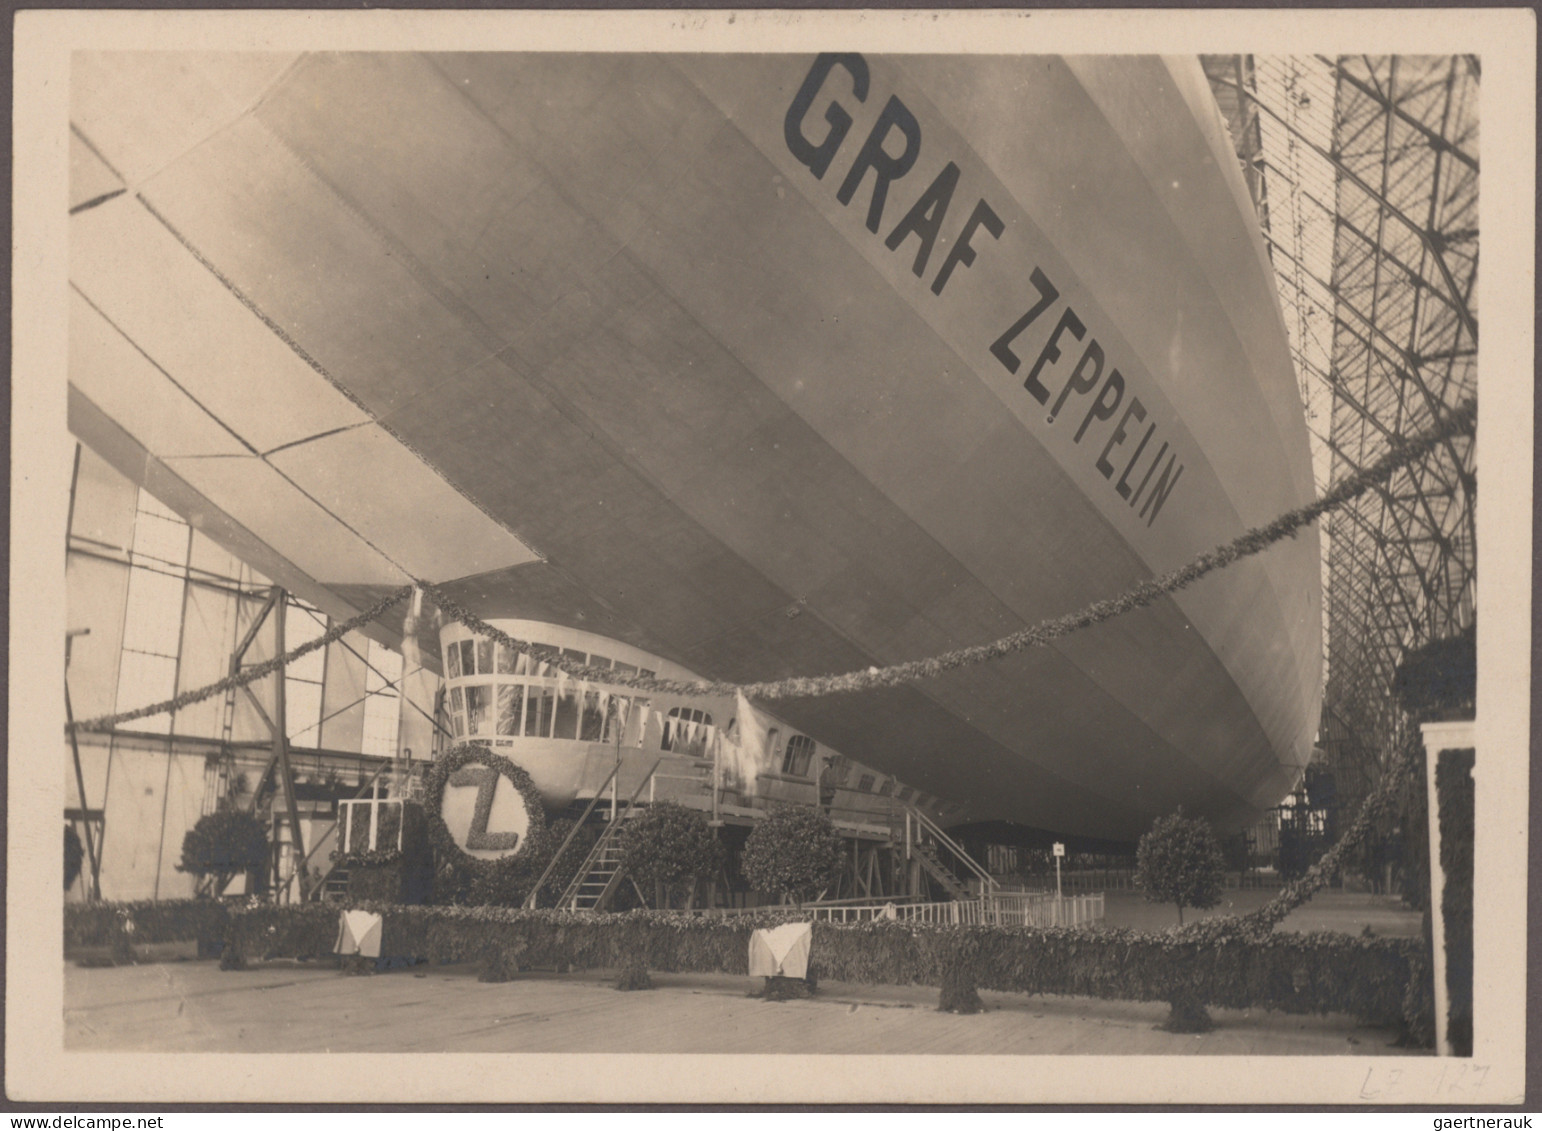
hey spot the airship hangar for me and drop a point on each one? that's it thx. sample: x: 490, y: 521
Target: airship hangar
x: 580, y: 406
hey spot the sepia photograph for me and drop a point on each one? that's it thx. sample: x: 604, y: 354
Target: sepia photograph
x: 770, y: 557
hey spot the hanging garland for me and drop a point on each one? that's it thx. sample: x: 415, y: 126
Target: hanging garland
x: 1401, y: 452
x: 1379, y: 804
x: 246, y: 675
x: 1460, y: 421
x: 439, y: 835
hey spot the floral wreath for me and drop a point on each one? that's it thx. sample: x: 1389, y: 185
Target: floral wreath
x: 475, y: 753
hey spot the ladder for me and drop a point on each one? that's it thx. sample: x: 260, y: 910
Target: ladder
x: 592, y: 888
x: 601, y: 873
x: 533, y: 899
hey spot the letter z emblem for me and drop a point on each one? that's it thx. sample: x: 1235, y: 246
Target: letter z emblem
x: 485, y: 778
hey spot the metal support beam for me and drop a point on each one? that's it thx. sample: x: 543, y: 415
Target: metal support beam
x: 95, y: 892
x: 1408, y: 371
x: 1436, y: 140
x: 281, y: 748
x: 262, y: 712
x: 1405, y: 362
x: 272, y: 763
x: 400, y: 684
x: 1428, y: 238
x: 251, y: 632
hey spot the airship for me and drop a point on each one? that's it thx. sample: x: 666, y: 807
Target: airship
x: 742, y: 366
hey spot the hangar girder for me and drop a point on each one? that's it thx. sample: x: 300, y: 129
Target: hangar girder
x: 1369, y: 166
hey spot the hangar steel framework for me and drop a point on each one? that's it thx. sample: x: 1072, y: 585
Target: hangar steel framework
x: 1365, y: 173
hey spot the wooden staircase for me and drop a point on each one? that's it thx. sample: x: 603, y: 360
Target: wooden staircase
x: 334, y: 886
x: 940, y: 872
x: 944, y: 859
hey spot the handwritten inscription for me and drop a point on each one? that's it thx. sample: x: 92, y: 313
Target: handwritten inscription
x: 1456, y: 1080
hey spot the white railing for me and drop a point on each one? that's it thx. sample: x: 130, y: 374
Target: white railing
x: 1044, y: 909
x: 696, y: 784
x: 951, y: 912
x: 1006, y: 909
x: 374, y: 803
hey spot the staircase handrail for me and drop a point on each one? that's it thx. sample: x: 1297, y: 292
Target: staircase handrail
x: 987, y: 880
x: 642, y: 785
x: 530, y: 900
x: 599, y: 846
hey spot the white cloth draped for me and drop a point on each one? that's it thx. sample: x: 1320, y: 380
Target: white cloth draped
x: 781, y: 952
x: 358, y: 932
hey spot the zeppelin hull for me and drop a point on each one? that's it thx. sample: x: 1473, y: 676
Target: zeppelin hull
x: 784, y: 366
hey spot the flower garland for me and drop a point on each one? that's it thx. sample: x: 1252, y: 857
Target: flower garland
x: 371, y: 858
x: 474, y: 753
x: 246, y: 675
x: 1401, y: 452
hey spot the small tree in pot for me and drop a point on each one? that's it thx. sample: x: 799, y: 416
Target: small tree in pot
x: 74, y: 855
x: 672, y: 847
x: 794, y: 853
x: 1179, y: 861
x: 224, y: 844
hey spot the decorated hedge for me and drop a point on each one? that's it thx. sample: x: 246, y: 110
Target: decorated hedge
x: 254, y: 934
x: 1454, y: 790
x: 1440, y: 679
x: 400, y: 881
x: 1380, y: 980
x: 172, y: 920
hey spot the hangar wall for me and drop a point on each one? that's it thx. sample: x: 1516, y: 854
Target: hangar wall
x: 155, y: 610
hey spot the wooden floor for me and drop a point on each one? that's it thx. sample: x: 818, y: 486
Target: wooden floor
x: 193, y: 1006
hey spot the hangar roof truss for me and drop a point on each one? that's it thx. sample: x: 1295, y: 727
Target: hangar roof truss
x: 1365, y: 173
